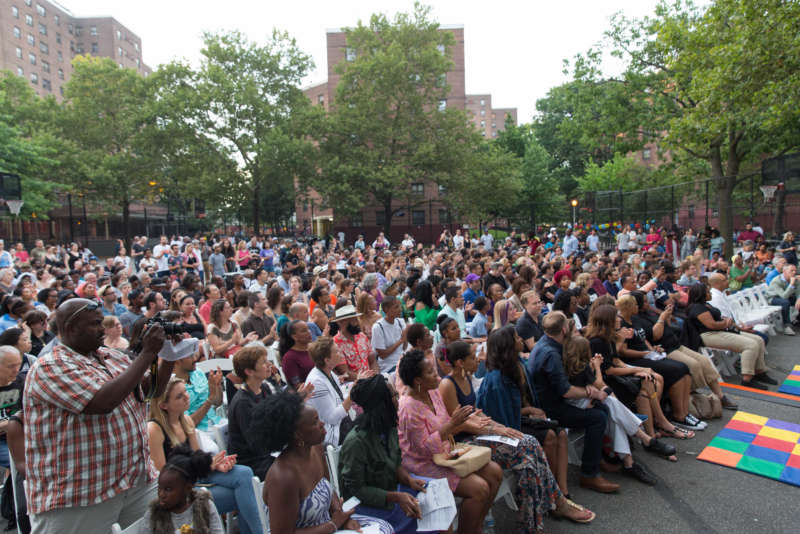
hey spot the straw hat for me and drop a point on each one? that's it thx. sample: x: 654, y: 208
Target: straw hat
x: 346, y: 312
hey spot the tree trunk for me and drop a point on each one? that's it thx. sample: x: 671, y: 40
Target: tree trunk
x: 724, y: 185
x: 256, y: 207
x: 126, y: 223
x: 387, y: 218
x: 778, y: 220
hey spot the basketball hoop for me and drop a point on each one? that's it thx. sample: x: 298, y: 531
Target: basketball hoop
x: 14, y: 206
x: 769, y: 192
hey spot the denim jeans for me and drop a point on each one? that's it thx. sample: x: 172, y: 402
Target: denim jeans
x: 785, y: 307
x: 234, y: 491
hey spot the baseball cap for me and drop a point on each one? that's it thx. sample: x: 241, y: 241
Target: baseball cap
x: 471, y: 277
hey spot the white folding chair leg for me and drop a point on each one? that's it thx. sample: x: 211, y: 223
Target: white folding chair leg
x: 506, y: 491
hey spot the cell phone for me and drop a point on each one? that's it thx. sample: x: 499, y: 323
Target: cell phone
x: 351, y: 503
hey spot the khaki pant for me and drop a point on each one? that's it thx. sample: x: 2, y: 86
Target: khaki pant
x: 701, y: 368
x: 749, y: 345
x: 124, y: 508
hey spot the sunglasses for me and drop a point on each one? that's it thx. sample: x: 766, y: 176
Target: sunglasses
x: 90, y: 306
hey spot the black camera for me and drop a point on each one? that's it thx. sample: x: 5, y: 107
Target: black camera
x: 170, y: 329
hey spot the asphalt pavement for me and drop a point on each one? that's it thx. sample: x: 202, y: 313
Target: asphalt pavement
x: 693, y: 496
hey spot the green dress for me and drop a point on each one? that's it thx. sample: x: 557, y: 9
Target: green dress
x: 427, y: 316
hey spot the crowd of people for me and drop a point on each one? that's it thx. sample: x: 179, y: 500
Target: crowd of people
x: 409, y: 359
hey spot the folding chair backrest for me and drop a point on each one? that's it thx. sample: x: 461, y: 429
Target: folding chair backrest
x: 133, y: 529
x: 206, y: 366
x: 332, y: 457
x: 221, y: 435
x: 258, y: 489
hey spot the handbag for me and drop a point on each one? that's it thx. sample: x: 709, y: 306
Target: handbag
x: 463, y: 459
x: 705, y: 406
x: 632, y: 384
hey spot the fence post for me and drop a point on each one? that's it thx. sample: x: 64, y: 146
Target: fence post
x: 645, y: 205
x: 621, y: 208
x: 706, y: 202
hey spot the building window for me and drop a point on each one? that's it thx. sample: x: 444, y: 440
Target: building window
x: 71, y: 29
x: 494, y: 134
x: 95, y: 48
x: 483, y: 112
x: 78, y: 31
x: 28, y: 2
x: 494, y: 125
x: 57, y: 20
x: 79, y: 48
x: 43, y: 47
x: 349, y: 54
x: 483, y: 124
x: 14, y: 12
x: 60, y: 74
x: 20, y: 71
x: 40, y: 10
x: 42, y: 29
x: 119, y: 52
x: 418, y: 188
x: 32, y: 59
x: 442, y: 105
x: 646, y: 153
x: 93, y: 30
x: 136, y: 46
x: 34, y: 78
x: 61, y: 90
x: 19, y: 53
x: 356, y: 220
x: 60, y: 56
x: 138, y: 63
x: 418, y: 217
x: 46, y: 84
x: 442, y: 190
x: 58, y: 38
x: 444, y: 216
x: 483, y: 102
x: 380, y: 218
x: 690, y: 210
x: 119, y: 35
x: 45, y: 67
x: 17, y: 32
x: 28, y: 20
x: 321, y: 100
x: 440, y: 48
x: 31, y: 39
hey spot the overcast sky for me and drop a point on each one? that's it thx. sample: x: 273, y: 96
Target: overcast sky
x: 514, y: 49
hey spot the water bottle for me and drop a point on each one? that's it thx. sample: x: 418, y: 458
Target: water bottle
x: 488, y: 524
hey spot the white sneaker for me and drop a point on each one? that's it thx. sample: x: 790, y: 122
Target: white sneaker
x: 788, y: 331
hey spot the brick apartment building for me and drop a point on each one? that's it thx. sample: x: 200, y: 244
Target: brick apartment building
x: 39, y: 39
x: 429, y: 213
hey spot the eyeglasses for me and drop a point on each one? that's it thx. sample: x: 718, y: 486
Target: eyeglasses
x: 89, y: 306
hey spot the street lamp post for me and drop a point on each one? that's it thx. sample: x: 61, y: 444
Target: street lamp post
x: 574, y: 207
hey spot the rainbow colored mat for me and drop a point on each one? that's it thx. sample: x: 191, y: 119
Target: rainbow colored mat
x: 792, y: 383
x: 756, y: 444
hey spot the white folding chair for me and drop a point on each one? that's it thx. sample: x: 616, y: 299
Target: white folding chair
x: 272, y: 355
x: 258, y: 489
x: 332, y: 458
x: 207, y: 366
x: 17, y: 496
x: 133, y: 529
x: 506, y: 490
x: 220, y: 433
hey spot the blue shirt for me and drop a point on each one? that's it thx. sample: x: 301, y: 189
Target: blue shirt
x: 197, y: 388
x: 477, y: 327
x: 500, y: 399
x: 119, y: 309
x: 546, y: 371
x: 771, y: 275
x: 470, y: 295
x: 7, y: 322
x: 314, y: 329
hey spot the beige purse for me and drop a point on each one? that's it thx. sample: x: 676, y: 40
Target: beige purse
x: 463, y: 459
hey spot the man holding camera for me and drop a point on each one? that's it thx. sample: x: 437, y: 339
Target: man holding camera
x: 87, y: 454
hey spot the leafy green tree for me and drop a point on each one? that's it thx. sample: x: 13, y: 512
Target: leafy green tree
x: 28, y: 147
x: 387, y: 128
x: 243, y: 117
x: 106, y: 115
x: 539, y: 198
x: 718, y: 85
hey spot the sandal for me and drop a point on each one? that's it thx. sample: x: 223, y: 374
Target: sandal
x: 677, y: 433
x: 568, y: 507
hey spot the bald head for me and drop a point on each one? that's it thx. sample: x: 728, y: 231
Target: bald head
x: 9, y: 354
x: 718, y: 281
x: 67, y: 310
x: 298, y: 311
x: 80, y: 325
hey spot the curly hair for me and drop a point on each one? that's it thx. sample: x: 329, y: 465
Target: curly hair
x: 410, y: 366
x: 274, y: 420
x: 191, y: 465
x: 374, y: 395
x: 501, y: 353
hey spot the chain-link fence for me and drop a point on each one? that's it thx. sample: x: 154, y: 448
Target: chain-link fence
x: 693, y: 204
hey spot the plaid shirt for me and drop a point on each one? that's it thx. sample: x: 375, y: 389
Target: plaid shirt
x: 75, y: 459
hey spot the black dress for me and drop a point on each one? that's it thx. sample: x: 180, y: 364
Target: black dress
x: 671, y: 370
x: 626, y: 388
